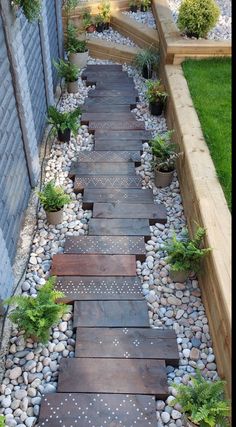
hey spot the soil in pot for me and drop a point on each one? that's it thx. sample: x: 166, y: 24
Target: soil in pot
x: 54, y: 217
x: 179, y: 276
x: 133, y: 9
x: 72, y: 87
x: 156, y: 108
x: 147, y: 72
x: 100, y: 28
x: 80, y: 59
x: 163, y: 179
x: 64, y: 136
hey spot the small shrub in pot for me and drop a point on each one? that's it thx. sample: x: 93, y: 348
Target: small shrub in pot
x: 53, y: 199
x: 100, y: 25
x: 64, y: 122
x: 88, y: 21
x: 76, y: 48
x: 146, y: 61
x: 105, y: 12
x: 70, y: 72
x: 156, y: 96
x: 197, y: 17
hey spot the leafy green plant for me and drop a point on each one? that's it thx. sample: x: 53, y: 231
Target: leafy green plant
x: 147, y: 58
x: 185, y: 254
x: 73, y: 44
x: 36, y: 315
x: 87, y: 19
x: 69, y: 5
x: 65, y: 69
x: 2, y: 421
x: 145, y: 4
x: 98, y: 19
x: 62, y: 121
x: 105, y: 11
x: 203, y: 402
x: 134, y: 3
x: 197, y: 17
x: 164, y: 152
x: 155, y: 91
x: 30, y: 8
x: 52, y: 197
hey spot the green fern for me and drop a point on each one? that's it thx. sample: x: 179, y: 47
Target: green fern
x: 52, y: 198
x: 36, y: 315
x: 62, y: 121
x: 67, y: 70
x: 203, y: 402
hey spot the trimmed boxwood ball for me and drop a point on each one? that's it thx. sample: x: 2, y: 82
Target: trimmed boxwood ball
x: 197, y: 17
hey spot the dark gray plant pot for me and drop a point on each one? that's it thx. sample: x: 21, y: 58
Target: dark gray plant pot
x: 163, y: 179
x: 179, y: 276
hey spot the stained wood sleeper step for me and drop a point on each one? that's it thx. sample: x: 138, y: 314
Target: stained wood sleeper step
x: 128, y: 195
x: 114, y: 144
x: 153, y: 212
x: 103, y: 168
x: 106, y: 181
x: 107, y: 157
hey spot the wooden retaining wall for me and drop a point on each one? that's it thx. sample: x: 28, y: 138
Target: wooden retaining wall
x: 204, y: 202
x: 174, y: 48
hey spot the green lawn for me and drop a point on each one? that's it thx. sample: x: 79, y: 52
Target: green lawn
x: 209, y: 82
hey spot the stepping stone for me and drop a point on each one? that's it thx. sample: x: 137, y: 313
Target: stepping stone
x: 118, y: 145
x: 132, y: 343
x: 106, y: 182
x: 116, y: 125
x: 101, y: 168
x: 115, y: 245
x: 119, y: 227
x: 104, y: 410
x: 86, y: 117
x: 116, y: 314
x: 110, y: 101
x: 92, y: 288
x: 106, y: 108
x: 93, y: 265
x: 103, y: 93
x: 155, y: 213
x: 131, y: 195
x: 107, y: 157
x: 104, y: 134
x: 127, y: 376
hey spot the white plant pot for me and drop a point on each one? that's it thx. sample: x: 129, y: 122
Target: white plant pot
x: 79, y: 59
x: 72, y: 87
x: 54, y: 217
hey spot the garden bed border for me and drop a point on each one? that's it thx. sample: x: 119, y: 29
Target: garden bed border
x: 205, y: 204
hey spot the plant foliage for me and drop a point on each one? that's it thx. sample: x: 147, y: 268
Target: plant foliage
x: 73, y: 44
x: 155, y: 91
x: 185, y: 254
x: 62, y: 121
x: 164, y: 152
x: 65, y: 69
x: 87, y: 19
x: 105, y: 10
x: 30, y: 8
x: 52, y: 197
x: 203, y: 402
x: 2, y: 421
x: 197, y: 17
x: 147, y: 58
x: 36, y: 315
x: 70, y: 5
x: 145, y: 4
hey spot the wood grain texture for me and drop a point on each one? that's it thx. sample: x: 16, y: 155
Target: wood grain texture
x: 119, y: 227
x: 153, y: 212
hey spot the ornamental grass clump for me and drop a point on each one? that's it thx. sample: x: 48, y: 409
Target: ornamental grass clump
x: 36, y: 315
x: 197, y: 17
x: 203, y: 401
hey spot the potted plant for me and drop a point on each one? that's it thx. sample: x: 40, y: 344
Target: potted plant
x: 100, y: 26
x: 165, y: 155
x: 36, y: 315
x: 133, y: 6
x: 197, y: 17
x: 87, y: 22
x: 70, y: 72
x: 105, y: 12
x: 64, y: 123
x: 146, y: 60
x: 156, y: 96
x: 144, y: 5
x: 185, y: 254
x: 203, y: 403
x: 77, y: 49
x: 53, y: 199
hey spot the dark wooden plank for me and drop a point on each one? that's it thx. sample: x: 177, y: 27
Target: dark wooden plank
x: 103, y: 67
x: 119, y: 227
x: 116, y: 314
x: 111, y: 100
x: 155, y: 213
x: 115, y: 245
x: 118, y: 84
x: 86, y: 117
x: 107, y: 157
x: 113, y: 376
x: 118, y: 145
x: 132, y: 343
x: 107, y: 182
x: 103, y: 168
x: 104, y: 134
x: 80, y: 288
x: 111, y: 410
x: 103, y: 93
x: 105, y: 108
x: 131, y: 195
x: 93, y: 265
x: 116, y: 78
x: 116, y: 125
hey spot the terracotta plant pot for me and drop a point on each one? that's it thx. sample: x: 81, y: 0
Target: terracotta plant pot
x: 80, y: 59
x: 147, y: 72
x: 64, y: 136
x: 72, y: 87
x: 54, y: 217
x: 156, y: 108
x: 91, y: 28
x: 163, y: 179
x: 179, y: 276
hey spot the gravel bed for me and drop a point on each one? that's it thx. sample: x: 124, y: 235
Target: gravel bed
x: 142, y: 17
x: 32, y: 369
x: 113, y: 36
x: 222, y: 30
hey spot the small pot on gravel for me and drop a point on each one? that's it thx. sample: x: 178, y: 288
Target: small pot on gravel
x: 72, y: 87
x: 53, y: 198
x: 179, y: 276
x: 64, y: 136
x: 54, y: 217
x: 163, y: 179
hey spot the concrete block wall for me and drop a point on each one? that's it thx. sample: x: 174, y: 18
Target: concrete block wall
x: 26, y: 90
